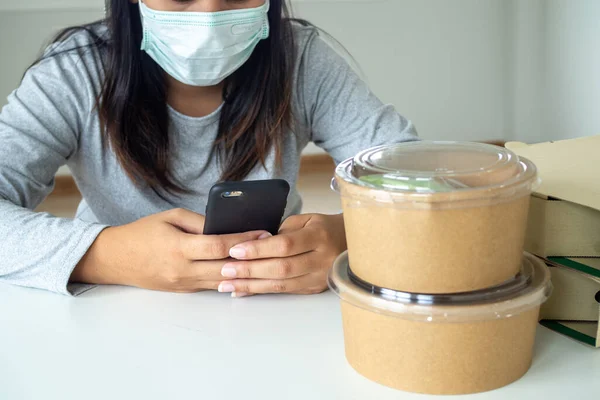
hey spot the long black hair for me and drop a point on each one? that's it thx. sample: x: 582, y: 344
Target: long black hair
x: 132, y: 104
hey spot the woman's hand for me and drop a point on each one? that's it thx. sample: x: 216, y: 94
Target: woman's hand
x: 295, y: 261
x: 165, y: 251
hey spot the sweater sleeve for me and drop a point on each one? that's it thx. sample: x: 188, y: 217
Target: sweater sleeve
x: 343, y: 115
x: 39, y: 131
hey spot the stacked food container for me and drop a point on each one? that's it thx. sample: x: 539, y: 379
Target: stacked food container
x: 437, y: 294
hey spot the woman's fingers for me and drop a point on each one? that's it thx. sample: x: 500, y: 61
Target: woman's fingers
x: 272, y: 268
x: 240, y: 294
x: 196, y: 276
x: 186, y: 220
x: 199, y: 271
x: 283, y: 245
x: 265, y: 285
x: 295, y: 223
x: 307, y: 284
x: 215, y: 247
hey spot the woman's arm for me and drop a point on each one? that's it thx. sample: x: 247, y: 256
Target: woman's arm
x: 39, y: 131
x: 340, y: 111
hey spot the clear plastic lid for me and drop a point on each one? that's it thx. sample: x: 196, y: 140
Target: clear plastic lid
x: 530, y: 288
x: 446, y: 170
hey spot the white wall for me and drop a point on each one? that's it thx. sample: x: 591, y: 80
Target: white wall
x: 442, y: 63
x: 556, y: 69
x: 572, y: 75
x: 23, y: 35
x: 526, y: 77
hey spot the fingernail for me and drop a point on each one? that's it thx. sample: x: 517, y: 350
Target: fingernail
x: 226, y: 288
x: 237, y: 295
x: 265, y: 235
x: 229, y: 272
x: 237, y: 252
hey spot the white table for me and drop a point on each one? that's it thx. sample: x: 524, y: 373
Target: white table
x: 124, y: 343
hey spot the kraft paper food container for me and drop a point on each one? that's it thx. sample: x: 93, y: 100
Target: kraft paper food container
x: 435, y: 217
x: 441, y: 344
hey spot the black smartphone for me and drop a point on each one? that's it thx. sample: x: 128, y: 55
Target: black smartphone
x: 236, y: 207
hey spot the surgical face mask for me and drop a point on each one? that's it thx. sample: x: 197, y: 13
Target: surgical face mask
x: 203, y: 48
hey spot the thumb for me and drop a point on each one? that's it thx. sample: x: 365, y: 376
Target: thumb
x: 186, y: 220
x: 294, y: 223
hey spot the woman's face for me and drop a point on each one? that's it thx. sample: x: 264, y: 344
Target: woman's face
x: 201, y: 5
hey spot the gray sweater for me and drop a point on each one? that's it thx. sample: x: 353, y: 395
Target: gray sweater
x: 50, y: 121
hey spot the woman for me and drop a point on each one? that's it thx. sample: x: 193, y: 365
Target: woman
x: 149, y: 109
